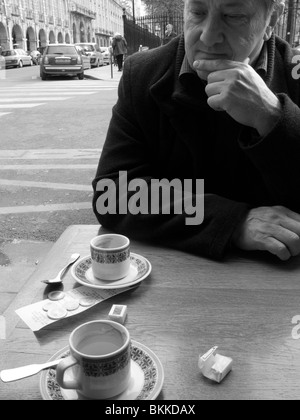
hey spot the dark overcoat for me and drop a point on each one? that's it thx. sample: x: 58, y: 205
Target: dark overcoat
x: 162, y: 127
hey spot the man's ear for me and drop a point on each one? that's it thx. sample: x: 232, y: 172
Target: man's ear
x: 276, y: 14
x: 268, y: 33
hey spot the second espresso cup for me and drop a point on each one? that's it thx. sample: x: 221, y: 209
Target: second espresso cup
x: 100, y: 360
x: 110, y: 255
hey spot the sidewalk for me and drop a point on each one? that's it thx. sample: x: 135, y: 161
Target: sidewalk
x: 107, y: 73
x: 19, y: 258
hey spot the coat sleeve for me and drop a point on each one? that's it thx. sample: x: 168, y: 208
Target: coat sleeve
x: 126, y: 150
x: 277, y: 155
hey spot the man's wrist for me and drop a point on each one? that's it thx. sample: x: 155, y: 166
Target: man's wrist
x: 267, y: 122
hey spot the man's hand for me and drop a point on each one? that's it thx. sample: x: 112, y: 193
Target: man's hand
x: 236, y: 88
x: 273, y: 229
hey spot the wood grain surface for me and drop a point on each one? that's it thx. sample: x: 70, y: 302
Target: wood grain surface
x: 188, y: 304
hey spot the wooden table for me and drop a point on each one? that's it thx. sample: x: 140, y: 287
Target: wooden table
x: 188, y: 304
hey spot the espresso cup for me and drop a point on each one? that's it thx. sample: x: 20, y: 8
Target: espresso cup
x: 100, y: 353
x: 110, y: 255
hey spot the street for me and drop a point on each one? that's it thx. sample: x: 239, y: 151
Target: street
x: 52, y: 133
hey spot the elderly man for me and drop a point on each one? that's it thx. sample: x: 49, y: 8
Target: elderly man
x: 219, y: 103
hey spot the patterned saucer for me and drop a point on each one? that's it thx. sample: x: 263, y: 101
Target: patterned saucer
x: 82, y: 272
x: 147, y: 377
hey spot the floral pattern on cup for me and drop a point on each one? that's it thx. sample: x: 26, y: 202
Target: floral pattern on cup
x: 110, y: 257
x: 111, y: 366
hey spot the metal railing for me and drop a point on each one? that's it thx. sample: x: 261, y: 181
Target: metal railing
x: 288, y: 26
x: 149, y: 31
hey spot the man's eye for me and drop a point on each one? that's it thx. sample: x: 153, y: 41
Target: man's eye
x: 235, y: 18
x: 198, y: 13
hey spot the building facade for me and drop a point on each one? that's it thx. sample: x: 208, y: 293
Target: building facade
x: 32, y: 24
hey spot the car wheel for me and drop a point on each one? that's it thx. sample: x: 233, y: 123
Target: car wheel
x: 20, y: 64
x: 81, y: 76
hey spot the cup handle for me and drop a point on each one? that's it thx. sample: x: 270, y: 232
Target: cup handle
x: 63, y: 365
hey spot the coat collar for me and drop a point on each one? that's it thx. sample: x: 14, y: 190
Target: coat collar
x: 162, y: 90
x: 171, y: 90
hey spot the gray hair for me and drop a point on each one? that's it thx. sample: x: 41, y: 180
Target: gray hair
x: 271, y: 5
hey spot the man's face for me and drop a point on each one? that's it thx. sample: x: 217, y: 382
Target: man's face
x: 224, y: 29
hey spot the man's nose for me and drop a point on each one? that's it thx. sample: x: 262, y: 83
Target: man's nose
x: 211, y: 32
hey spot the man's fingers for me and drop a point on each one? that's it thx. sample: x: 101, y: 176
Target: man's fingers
x: 216, y: 96
x: 288, y: 238
x: 217, y: 76
x: 215, y: 103
x: 285, y: 218
x: 289, y: 213
x: 276, y: 247
x: 291, y: 225
x: 212, y: 89
x: 216, y: 65
x: 273, y: 229
x: 279, y: 241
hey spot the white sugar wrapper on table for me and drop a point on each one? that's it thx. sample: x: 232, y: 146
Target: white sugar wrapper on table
x: 214, y: 366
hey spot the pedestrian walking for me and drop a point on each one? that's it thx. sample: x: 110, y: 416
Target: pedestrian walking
x: 119, y: 45
x: 169, y: 34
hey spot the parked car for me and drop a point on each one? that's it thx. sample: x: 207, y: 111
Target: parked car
x: 61, y: 60
x: 16, y: 58
x: 93, y: 50
x: 106, y: 54
x: 36, y: 56
x: 85, y: 57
